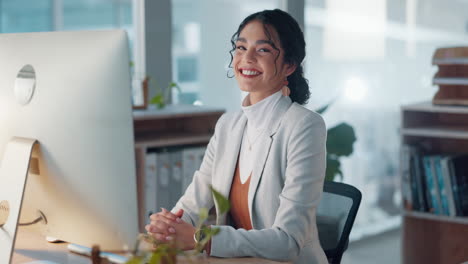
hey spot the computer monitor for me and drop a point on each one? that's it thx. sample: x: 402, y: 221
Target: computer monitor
x: 79, y: 110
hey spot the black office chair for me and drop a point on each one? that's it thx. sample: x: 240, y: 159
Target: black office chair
x: 335, y: 218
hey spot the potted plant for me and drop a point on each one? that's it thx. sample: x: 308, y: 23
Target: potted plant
x: 340, y: 140
x: 161, y: 97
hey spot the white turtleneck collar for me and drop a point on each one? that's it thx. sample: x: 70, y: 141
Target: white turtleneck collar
x: 256, y: 114
x: 259, y: 116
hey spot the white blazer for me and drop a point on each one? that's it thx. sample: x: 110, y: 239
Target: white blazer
x: 285, y: 186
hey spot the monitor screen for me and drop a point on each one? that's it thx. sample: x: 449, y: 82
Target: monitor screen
x: 78, y: 107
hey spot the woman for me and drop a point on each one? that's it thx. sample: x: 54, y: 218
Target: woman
x: 268, y: 158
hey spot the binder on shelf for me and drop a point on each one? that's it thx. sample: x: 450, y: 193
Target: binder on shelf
x: 177, y: 177
x: 191, y: 161
x: 163, y: 180
x: 151, y: 164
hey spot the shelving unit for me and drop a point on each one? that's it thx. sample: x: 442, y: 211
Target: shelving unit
x: 443, y: 218
x: 173, y: 126
x: 436, y: 132
x: 430, y: 238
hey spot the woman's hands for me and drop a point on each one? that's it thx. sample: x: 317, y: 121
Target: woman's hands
x: 166, y: 226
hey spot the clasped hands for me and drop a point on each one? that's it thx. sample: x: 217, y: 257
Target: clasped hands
x: 166, y: 227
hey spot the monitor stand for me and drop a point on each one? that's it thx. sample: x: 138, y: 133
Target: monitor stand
x: 13, y: 175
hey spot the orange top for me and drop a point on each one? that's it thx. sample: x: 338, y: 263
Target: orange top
x: 239, y: 201
x: 239, y: 204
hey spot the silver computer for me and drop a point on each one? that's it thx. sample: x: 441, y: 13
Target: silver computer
x: 77, y: 105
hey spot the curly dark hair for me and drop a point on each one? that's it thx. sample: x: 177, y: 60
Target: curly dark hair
x: 292, y: 41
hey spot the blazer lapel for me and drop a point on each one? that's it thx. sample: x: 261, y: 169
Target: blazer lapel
x: 264, y: 146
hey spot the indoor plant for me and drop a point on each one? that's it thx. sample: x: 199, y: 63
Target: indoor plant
x: 340, y: 140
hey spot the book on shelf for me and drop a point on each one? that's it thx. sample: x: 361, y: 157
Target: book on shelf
x: 413, y: 184
x: 455, y: 189
x: 419, y: 187
x: 460, y: 164
x: 433, y: 198
x: 405, y: 177
x: 446, y: 165
x: 439, y: 186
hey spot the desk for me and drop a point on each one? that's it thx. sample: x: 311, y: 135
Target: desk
x: 31, y: 246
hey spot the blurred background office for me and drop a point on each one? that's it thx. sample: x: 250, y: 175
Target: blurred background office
x: 366, y: 57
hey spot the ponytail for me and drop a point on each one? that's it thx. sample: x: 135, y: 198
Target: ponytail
x: 299, y: 86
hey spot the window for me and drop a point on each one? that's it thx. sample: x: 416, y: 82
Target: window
x: 49, y: 15
x: 25, y: 16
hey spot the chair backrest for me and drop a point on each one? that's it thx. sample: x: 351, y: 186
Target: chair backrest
x: 335, y: 217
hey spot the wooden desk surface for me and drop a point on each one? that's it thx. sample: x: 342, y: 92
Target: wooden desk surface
x: 31, y: 247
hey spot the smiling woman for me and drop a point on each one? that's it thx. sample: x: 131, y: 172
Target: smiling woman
x: 275, y: 45
x: 258, y: 64
x: 268, y: 158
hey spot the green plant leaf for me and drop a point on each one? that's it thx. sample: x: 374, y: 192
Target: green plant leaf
x: 209, y: 233
x: 323, y: 109
x: 158, y: 100
x: 205, y: 241
x: 221, y: 201
x: 169, y: 89
x: 207, y: 236
x: 135, y: 260
x: 174, y: 85
x: 203, y: 215
x: 212, y: 231
x: 215, y: 231
x: 155, y: 258
x: 340, y: 140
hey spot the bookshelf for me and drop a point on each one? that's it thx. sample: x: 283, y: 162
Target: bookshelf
x: 427, y: 237
x: 175, y: 126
